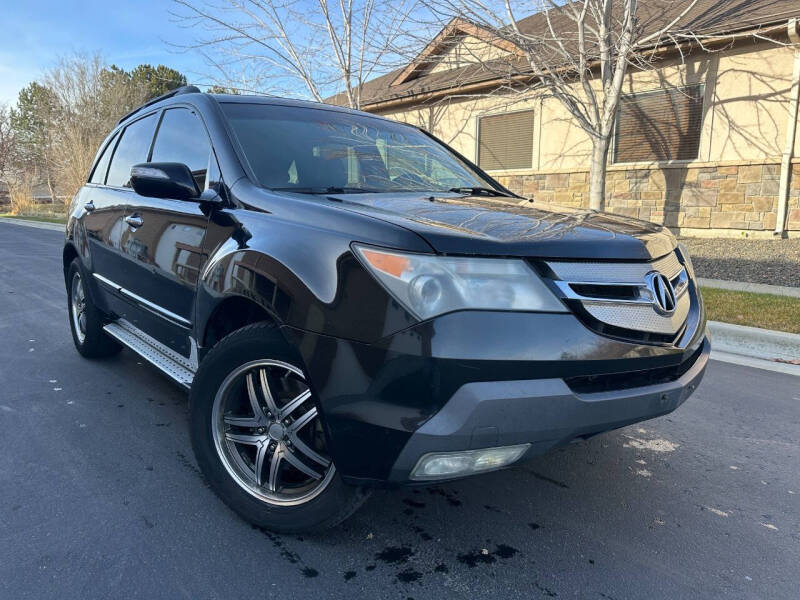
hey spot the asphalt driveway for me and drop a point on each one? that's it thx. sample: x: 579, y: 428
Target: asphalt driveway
x: 100, y: 495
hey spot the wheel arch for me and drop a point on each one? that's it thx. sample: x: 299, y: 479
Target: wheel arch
x: 304, y: 279
x: 69, y: 254
x: 231, y: 313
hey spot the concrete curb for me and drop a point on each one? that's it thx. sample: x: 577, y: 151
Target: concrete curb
x: 37, y: 224
x: 744, y: 286
x: 756, y: 363
x: 755, y: 347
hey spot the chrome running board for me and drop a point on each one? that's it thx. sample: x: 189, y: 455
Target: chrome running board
x: 173, y: 364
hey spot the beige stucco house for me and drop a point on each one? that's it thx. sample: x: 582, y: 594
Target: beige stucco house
x: 708, y: 144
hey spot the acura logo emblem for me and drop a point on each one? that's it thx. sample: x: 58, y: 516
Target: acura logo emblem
x: 663, y: 293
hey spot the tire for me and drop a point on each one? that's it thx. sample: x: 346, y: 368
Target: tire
x: 85, y: 319
x: 259, y: 450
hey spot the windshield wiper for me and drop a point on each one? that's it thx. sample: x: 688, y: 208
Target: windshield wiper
x: 324, y: 190
x: 480, y: 191
x: 349, y: 190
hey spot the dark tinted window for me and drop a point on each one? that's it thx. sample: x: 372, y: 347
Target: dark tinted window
x: 132, y: 149
x: 311, y: 150
x: 182, y: 138
x: 100, y: 170
x: 660, y: 125
x: 506, y: 141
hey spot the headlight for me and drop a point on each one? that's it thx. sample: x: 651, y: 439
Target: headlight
x: 429, y: 285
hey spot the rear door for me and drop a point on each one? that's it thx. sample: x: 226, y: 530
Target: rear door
x: 100, y: 222
x: 106, y: 198
x: 164, y: 237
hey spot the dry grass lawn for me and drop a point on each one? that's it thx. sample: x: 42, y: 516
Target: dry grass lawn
x: 44, y: 219
x: 767, y: 311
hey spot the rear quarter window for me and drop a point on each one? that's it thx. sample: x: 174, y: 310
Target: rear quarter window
x: 101, y: 168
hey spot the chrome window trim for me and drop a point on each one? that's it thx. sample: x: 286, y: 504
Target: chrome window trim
x: 155, y: 308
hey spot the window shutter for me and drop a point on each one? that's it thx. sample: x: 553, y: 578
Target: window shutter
x: 662, y: 125
x: 506, y: 141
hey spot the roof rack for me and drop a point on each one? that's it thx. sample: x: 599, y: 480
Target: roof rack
x: 186, y: 89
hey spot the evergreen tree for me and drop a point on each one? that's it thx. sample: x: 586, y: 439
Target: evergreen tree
x: 158, y: 80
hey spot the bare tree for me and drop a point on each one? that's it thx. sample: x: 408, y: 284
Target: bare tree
x: 578, y: 52
x: 7, y: 144
x: 89, y: 97
x: 300, y: 48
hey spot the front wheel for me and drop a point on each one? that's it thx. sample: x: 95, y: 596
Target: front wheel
x: 258, y: 437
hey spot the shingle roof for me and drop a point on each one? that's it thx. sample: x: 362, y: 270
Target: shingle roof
x: 707, y: 18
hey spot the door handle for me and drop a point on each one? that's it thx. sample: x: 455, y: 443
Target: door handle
x: 134, y: 221
x: 89, y: 206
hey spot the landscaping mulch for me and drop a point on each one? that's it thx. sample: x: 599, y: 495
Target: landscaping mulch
x: 774, y: 262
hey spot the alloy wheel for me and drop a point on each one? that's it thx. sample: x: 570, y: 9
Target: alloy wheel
x: 78, y: 307
x: 268, y: 434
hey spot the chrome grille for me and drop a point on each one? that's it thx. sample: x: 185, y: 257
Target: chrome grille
x: 618, y: 294
x: 606, y: 272
x: 640, y: 317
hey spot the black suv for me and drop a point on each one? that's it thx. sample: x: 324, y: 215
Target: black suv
x: 351, y: 303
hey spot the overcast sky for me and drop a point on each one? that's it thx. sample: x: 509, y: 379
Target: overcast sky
x: 126, y: 33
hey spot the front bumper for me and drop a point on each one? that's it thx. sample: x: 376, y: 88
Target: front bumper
x: 471, y: 380
x: 545, y: 413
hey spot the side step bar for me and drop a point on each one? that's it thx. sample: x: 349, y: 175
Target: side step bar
x: 174, y: 365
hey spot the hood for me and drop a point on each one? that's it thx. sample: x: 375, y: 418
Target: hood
x: 454, y: 224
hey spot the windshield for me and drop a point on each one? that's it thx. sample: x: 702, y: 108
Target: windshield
x: 318, y: 151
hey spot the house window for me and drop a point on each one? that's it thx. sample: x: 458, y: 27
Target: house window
x: 660, y: 125
x: 506, y: 141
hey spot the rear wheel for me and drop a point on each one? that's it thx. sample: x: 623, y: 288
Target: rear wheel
x: 85, y: 319
x: 258, y: 437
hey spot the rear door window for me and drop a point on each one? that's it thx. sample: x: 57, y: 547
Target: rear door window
x: 182, y: 138
x: 133, y: 148
x: 100, y: 170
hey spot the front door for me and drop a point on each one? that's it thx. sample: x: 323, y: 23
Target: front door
x: 163, y: 241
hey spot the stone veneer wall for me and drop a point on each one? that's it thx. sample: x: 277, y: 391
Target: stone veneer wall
x: 723, y: 196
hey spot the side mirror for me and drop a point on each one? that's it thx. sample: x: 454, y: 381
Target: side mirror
x: 164, y: 180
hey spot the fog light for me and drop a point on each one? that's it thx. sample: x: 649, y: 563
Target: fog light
x: 440, y: 465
